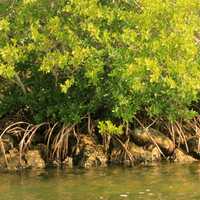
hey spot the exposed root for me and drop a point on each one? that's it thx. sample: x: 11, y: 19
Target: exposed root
x: 27, y: 138
x: 60, y: 143
x: 177, y: 129
x: 146, y: 129
x: 23, y: 130
x: 15, y: 125
x: 180, y: 131
x: 48, y: 136
x: 57, y: 138
x: 154, y: 142
x: 126, y: 151
x: 4, y: 152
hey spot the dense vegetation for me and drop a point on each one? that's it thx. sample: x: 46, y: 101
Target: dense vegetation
x: 114, y: 60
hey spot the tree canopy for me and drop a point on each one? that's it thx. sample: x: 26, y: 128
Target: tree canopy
x: 63, y: 59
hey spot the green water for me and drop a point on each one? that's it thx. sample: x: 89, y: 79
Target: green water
x: 162, y: 182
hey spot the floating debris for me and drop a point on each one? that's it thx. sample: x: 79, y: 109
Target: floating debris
x: 124, y: 195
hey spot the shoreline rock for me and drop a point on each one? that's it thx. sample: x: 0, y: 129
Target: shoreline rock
x: 88, y: 153
x: 180, y: 157
x: 138, y: 155
x: 147, y: 137
x: 34, y: 160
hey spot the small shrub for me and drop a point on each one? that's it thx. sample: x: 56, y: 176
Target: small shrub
x: 108, y: 128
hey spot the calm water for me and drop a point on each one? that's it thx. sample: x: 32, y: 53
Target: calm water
x: 162, y: 182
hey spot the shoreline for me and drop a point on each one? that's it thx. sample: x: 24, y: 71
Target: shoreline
x: 37, y: 149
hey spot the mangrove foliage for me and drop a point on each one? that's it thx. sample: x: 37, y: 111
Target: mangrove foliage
x: 102, y: 67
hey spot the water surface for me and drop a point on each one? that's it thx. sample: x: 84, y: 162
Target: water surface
x: 168, y: 181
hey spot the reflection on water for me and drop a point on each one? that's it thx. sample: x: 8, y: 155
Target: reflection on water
x: 168, y: 181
